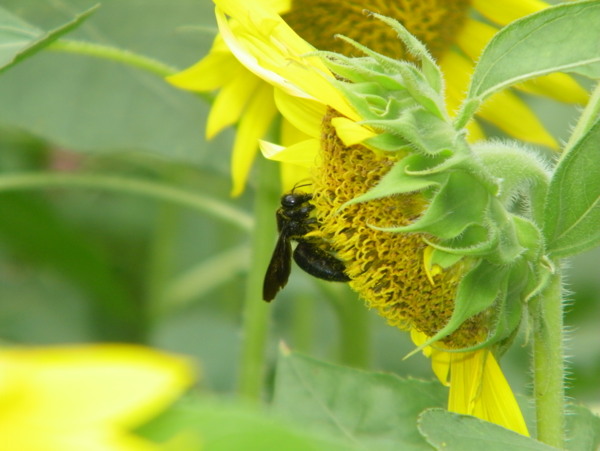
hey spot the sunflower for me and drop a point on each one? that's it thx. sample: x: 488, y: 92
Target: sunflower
x: 389, y: 270
x: 455, y: 32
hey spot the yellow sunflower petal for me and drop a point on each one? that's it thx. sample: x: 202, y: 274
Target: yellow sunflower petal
x: 230, y: 103
x: 302, y: 154
x: 303, y: 114
x: 253, y: 125
x: 510, y: 114
x: 475, y: 133
x: 280, y: 6
x: 478, y: 388
x: 474, y: 36
x: 561, y: 87
x: 292, y: 175
x: 440, y: 361
x: 506, y: 11
x: 267, y: 46
x: 216, y: 69
x: 350, y: 132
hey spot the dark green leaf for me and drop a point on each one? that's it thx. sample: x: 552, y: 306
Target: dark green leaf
x: 19, y: 40
x: 572, y: 210
x: 452, y: 432
x: 370, y: 411
x: 564, y: 38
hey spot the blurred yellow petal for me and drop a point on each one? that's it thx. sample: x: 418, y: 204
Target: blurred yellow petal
x: 303, y: 114
x: 505, y: 11
x: 350, y: 132
x: 478, y: 388
x: 231, y: 102
x: 475, y: 132
x: 85, y: 397
x: 253, y: 125
x: 511, y: 114
x: 561, y: 87
x: 474, y: 36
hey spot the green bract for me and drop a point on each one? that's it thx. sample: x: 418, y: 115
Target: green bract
x: 487, y: 203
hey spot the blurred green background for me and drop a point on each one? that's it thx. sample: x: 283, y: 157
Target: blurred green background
x: 90, y: 264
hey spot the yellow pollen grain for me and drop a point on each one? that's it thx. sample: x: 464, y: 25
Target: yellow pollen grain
x: 386, y: 268
x: 435, y: 22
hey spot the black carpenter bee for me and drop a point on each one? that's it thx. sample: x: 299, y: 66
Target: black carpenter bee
x: 294, y: 222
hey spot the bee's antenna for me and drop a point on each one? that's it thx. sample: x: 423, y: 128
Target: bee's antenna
x: 300, y: 186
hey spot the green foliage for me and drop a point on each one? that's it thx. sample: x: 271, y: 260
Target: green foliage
x: 453, y: 432
x: 564, y: 38
x: 572, y: 210
x: 367, y: 410
x: 21, y: 40
x: 94, y: 105
x: 97, y: 264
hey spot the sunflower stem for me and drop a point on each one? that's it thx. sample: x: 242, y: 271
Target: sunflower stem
x: 114, y: 54
x: 355, y: 333
x: 548, y: 361
x: 152, y: 189
x: 256, y: 311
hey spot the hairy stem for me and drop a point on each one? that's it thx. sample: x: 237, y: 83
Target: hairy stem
x: 256, y: 311
x: 548, y: 361
x: 114, y: 54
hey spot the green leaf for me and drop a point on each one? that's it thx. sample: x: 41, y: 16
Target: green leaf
x: 564, y: 38
x: 460, y: 202
x: 96, y: 106
x: 478, y: 290
x: 453, y: 432
x: 371, y: 411
x: 20, y: 40
x: 198, y: 424
x: 583, y: 429
x: 401, y: 179
x: 572, y: 210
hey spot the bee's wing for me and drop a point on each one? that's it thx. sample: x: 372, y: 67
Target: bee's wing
x: 279, y: 268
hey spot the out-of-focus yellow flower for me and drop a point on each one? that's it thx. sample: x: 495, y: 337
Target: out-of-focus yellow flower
x: 389, y: 270
x: 85, y: 397
x: 451, y: 29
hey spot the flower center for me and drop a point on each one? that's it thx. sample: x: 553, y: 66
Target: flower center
x: 386, y: 268
x: 435, y: 22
